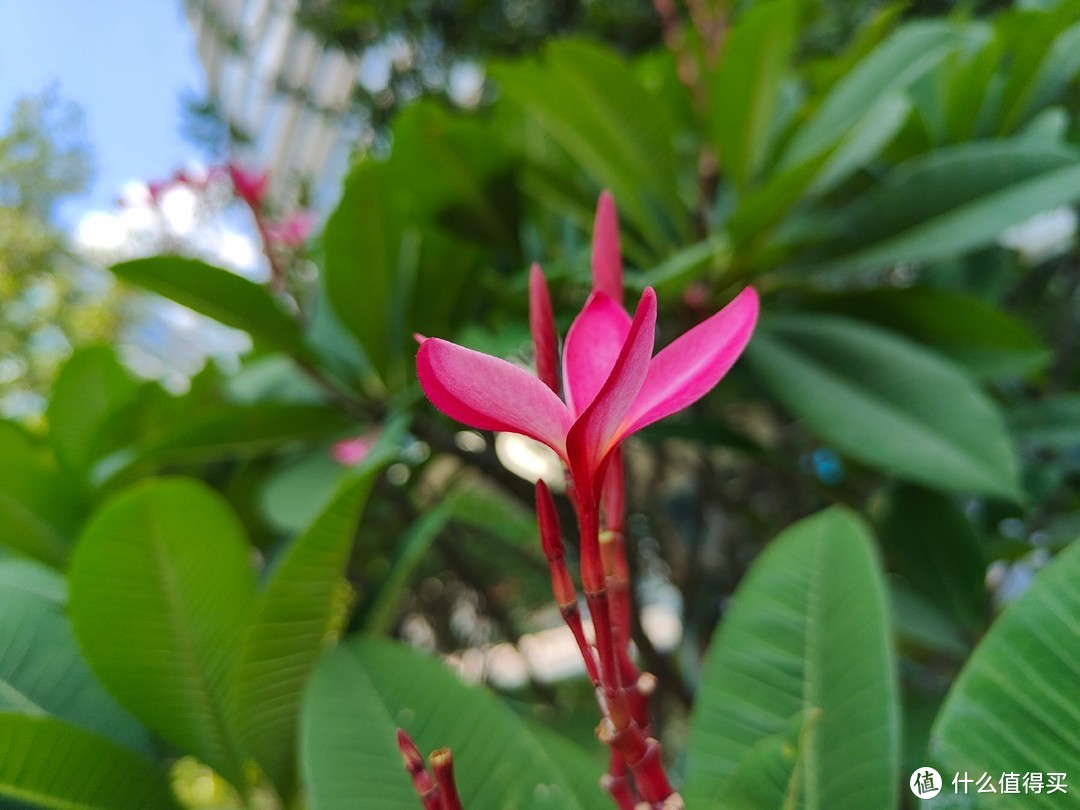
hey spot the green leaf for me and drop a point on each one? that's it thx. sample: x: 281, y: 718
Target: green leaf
x: 769, y: 774
x: 243, y: 430
x: 981, y: 338
x: 219, y: 294
x: 594, y: 106
x: 41, y: 508
x: 745, y: 90
x: 953, y: 200
x: 806, y: 641
x: 907, y: 55
x: 31, y: 577
x: 886, y: 402
x: 50, y: 764
x: 364, y: 244
x: 367, y: 687
x: 289, y: 627
x: 932, y: 545
x: 161, y: 589
x: 43, y: 672
x: 1053, y: 422
x: 1015, y: 707
x: 91, y: 387
x: 380, y: 609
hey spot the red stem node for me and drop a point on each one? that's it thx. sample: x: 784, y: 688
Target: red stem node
x: 425, y: 788
x: 642, y: 755
x: 617, y: 784
x: 442, y: 763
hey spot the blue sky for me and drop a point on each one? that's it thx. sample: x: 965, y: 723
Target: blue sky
x: 128, y: 63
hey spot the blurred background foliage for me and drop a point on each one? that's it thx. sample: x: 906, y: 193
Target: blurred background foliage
x: 899, y: 182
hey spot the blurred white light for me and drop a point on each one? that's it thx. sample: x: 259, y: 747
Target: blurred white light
x: 529, y: 459
x: 1042, y: 236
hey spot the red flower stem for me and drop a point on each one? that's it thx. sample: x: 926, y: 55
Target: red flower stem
x: 642, y: 756
x: 442, y: 763
x: 594, y: 584
x: 613, y: 549
x: 561, y: 585
x: 617, y: 784
x: 425, y: 788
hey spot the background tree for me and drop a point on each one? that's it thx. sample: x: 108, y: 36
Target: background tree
x: 50, y: 300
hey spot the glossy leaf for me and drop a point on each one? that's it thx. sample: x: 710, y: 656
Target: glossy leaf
x: 955, y: 199
x: 1052, y: 423
x: 1015, y: 707
x: 886, y: 402
x: 289, y: 627
x: 364, y: 248
x: 367, y: 687
x: 91, y: 387
x: 230, y: 430
x: 28, y: 576
x: 41, y: 507
x: 380, y: 610
x: 804, y: 651
x: 745, y: 90
x: 49, y: 764
x: 981, y: 338
x: 595, y: 108
x: 42, y: 671
x: 219, y: 294
x: 934, y: 547
x: 908, y: 54
x: 161, y: 590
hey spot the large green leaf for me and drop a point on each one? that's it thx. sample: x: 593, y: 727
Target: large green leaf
x: 290, y: 625
x: 41, y: 507
x: 595, y: 107
x: 969, y: 331
x: 955, y: 199
x: 28, y: 576
x: 803, y: 652
x: 242, y: 430
x: 934, y: 547
x: 886, y: 402
x: 745, y: 90
x: 907, y: 55
x: 49, y: 764
x: 1015, y: 707
x: 1052, y: 423
x: 411, y: 225
x: 364, y: 689
x: 91, y: 387
x: 366, y: 245
x: 219, y: 294
x: 380, y: 608
x: 161, y: 589
x: 43, y: 672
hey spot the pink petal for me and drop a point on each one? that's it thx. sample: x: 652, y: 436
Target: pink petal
x: 542, y: 326
x: 351, y: 452
x: 688, y: 369
x: 487, y: 393
x: 606, y: 259
x: 592, y: 346
x: 594, y: 433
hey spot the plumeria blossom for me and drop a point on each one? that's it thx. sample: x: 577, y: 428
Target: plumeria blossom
x: 250, y: 186
x: 291, y: 232
x: 613, y: 385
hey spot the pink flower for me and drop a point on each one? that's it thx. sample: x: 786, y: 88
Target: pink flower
x: 251, y: 187
x: 351, y: 452
x: 612, y: 385
x: 292, y: 232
